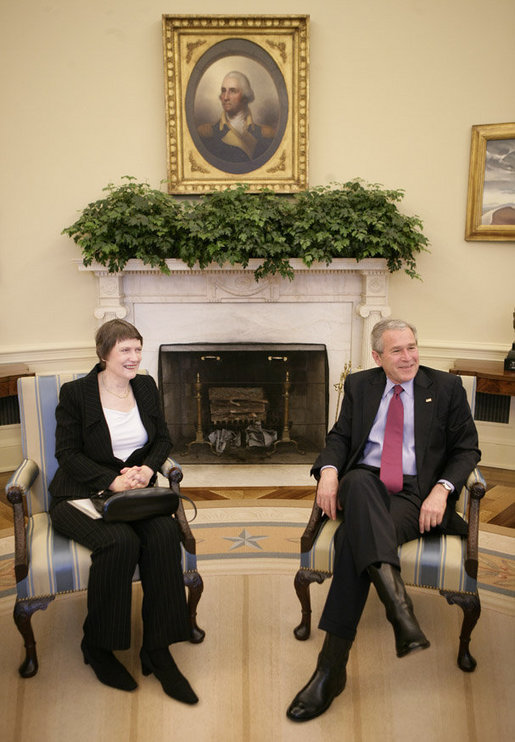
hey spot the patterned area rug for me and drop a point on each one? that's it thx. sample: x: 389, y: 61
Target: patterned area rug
x: 263, y: 536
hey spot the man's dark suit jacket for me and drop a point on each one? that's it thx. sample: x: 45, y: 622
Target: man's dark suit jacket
x: 83, y: 444
x: 446, y: 443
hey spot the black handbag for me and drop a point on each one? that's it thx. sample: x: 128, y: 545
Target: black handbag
x: 138, y: 504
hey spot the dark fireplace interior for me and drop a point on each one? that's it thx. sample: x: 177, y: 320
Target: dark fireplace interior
x: 245, y: 403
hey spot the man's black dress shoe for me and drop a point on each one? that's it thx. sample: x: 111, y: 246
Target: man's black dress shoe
x: 107, y: 668
x: 399, y: 609
x: 161, y: 663
x: 327, y: 682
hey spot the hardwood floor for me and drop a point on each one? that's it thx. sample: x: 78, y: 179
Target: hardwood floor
x: 497, y: 507
x: 6, y: 519
x: 498, y: 476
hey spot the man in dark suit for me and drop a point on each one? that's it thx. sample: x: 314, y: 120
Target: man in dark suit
x: 437, y: 449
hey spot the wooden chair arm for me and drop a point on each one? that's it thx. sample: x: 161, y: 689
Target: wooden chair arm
x: 187, y: 537
x: 172, y: 470
x: 16, y: 489
x: 477, y: 488
x: 312, y: 528
x: 475, y: 477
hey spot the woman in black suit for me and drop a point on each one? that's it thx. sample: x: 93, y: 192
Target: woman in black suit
x: 111, y: 435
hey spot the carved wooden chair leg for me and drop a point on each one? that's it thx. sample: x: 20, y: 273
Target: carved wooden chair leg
x: 23, y: 610
x: 303, y: 580
x: 471, y: 608
x: 195, y: 585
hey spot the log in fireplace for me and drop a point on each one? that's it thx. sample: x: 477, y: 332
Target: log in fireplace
x: 245, y: 402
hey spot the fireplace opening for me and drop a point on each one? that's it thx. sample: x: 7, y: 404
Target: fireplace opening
x: 245, y: 402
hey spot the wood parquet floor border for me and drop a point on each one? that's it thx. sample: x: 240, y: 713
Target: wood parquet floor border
x: 497, y: 507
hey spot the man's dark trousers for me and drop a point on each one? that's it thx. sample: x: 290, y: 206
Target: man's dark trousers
x: 375, y: 524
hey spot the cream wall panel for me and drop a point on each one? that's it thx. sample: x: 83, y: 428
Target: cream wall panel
x: 395, y: 88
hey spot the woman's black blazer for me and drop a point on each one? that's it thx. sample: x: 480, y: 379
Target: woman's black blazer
x: 86, y: 463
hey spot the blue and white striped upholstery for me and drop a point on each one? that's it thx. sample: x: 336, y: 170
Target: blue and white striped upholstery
x: 38, y: 397
x: 56, y: 564
x: 429, y: 561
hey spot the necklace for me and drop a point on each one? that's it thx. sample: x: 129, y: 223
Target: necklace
x: 120, y: 396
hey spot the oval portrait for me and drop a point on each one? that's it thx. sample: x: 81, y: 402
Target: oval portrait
x: 236, y: 106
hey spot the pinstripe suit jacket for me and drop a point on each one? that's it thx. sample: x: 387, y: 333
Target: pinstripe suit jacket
x: 83, y: 445
x: 446, y: 443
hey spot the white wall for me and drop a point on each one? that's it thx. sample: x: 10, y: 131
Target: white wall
x: 395, y: 87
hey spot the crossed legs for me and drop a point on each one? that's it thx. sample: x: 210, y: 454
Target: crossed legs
x: 375, y: 523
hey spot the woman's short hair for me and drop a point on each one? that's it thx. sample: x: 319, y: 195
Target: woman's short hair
x: 378, y: 330
x: 112, y: 332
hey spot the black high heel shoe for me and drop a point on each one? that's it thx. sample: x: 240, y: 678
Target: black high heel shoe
x: 161, y: 663
x: 107, y: 668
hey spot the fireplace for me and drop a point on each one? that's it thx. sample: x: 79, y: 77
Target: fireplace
x: 333, y: 305
x: 233, y: 403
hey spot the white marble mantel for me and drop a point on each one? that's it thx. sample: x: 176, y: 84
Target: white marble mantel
x: 336, y: 305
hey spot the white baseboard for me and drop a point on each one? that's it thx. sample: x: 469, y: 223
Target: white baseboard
x: 10, y: 447
x: 50, y: 359
x: 443, y: 356
x: 497, y: 443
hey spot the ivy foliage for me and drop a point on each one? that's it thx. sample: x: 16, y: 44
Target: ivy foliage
x: 356, y: 220
x: 234, y: 225
x: 132, y: 221
x: 349, y: 220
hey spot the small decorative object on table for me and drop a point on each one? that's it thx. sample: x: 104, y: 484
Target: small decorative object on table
x: 509, y: 361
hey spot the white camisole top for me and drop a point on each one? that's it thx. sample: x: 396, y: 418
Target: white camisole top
x: 126, y: 430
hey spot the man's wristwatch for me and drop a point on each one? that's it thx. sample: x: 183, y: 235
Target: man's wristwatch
x: 447, y: 486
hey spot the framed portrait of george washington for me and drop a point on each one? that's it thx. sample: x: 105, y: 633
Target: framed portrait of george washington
x: 237, y: 95
x: 491, y: 188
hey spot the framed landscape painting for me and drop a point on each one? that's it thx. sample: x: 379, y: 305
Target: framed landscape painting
x: 491, y: 189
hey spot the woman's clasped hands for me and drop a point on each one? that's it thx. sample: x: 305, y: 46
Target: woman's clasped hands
x: 131, y: 478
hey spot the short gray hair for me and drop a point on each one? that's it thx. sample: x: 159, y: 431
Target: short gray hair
x: 243, y: 81
x: 378, y: 330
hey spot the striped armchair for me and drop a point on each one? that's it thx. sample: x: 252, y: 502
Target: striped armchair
x: 439, y: 562
x: 48, y: 564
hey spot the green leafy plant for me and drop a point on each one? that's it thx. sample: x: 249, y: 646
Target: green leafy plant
x: 356, y: 220
x: 132, y: 221
x: 349, y: 220
x: 234, y: 225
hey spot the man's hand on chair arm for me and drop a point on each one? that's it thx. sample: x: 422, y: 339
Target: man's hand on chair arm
x: 327, y: 492
x: 433, y: 508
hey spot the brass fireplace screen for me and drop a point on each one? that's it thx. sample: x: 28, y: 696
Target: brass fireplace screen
x: 245, y: 403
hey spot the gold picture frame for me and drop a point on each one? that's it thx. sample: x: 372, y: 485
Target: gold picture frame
x: 271, y: 52
x: 491, y: 187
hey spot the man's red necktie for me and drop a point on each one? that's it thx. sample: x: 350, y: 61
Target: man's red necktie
x: 391, y: 458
